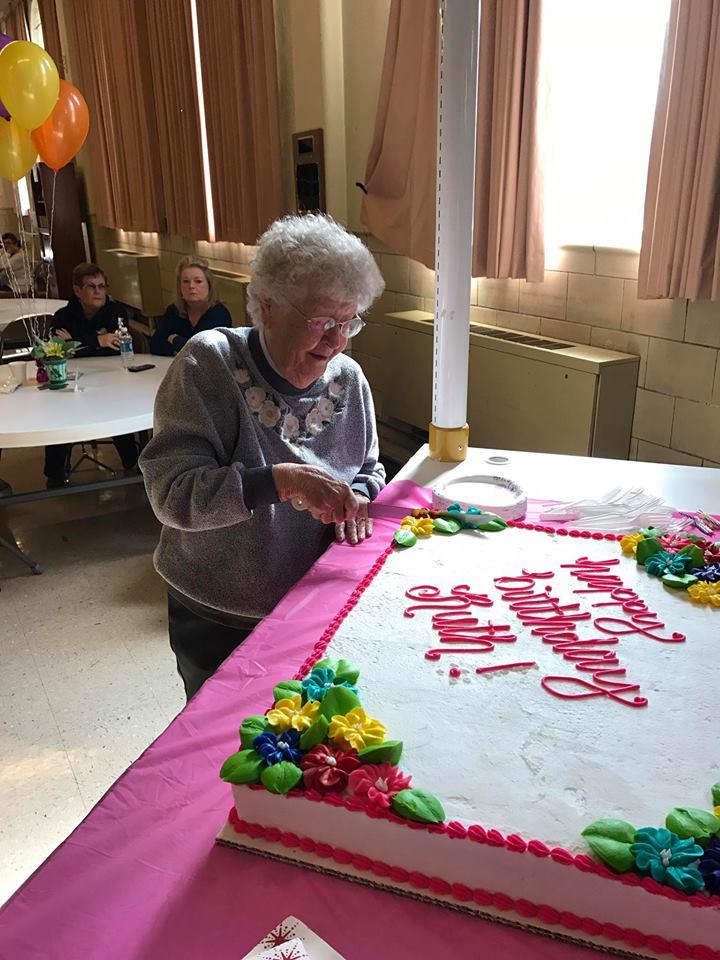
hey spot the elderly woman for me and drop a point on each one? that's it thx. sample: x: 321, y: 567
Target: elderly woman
x: 265, y: 442
x: 195, y: 309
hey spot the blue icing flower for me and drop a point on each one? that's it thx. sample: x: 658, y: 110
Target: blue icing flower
x: 321, y: 679
x: 668, y: 859
x: 709, y: 866
x: 710, y: 573
x: 663, y: 562
x: 276, y: 747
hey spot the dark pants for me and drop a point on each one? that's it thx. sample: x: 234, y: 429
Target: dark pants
x: 200, y: 645
x: 57, y: 454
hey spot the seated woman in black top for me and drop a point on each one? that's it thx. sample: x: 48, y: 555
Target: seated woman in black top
x: 195, y: 309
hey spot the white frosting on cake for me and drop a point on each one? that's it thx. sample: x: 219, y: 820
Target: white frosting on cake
x: 497, y: 749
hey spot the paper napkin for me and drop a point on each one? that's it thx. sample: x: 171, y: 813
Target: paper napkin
x: 291, y: 939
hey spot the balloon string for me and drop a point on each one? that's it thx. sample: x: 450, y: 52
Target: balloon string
x: 51, y: 225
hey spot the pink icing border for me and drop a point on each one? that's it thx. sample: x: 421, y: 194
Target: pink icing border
x: 476, y: 833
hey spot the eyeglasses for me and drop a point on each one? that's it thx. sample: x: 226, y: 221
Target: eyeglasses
x: 320, y: 325
x: 101, y: 287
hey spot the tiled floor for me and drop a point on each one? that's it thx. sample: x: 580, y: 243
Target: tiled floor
x: 87, y: 679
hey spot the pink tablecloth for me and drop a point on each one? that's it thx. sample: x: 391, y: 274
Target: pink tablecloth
x: 141, y: 877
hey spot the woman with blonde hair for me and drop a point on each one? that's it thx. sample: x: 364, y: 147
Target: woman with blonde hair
x: 195, y: 309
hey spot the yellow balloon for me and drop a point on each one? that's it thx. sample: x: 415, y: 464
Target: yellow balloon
x: 17, y: 151
x: 29, y: 83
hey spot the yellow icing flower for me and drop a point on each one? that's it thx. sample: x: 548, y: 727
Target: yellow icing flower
x: 629, y: 543
x: 293, y: 713
x: 420, y: 526
x: 716, y: 811
x: 704, y: 592
x: 356, y: 729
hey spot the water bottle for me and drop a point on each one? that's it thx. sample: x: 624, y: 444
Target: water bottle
x: 127, y: 353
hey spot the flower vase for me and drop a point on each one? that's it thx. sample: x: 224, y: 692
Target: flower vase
x: 57, y: 372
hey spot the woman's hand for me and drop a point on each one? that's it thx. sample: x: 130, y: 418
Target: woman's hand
x: 63, y: 334
x: 108, y: 340
x: 357, y: 530
x: 310, y: 488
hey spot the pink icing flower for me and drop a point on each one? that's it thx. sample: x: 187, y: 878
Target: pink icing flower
x: 378, y: 782
x: 326, y: 769
x: 674, y: 542
x: 711, y: 551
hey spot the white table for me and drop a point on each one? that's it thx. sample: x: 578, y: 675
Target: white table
x: 547, y: 476
x: 109, y: 402
x: 12, y: 309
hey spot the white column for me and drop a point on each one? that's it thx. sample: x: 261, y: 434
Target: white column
x: 457, y: 115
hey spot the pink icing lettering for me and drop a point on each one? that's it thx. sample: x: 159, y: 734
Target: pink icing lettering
x: 640, y: 624
x: 583, y: 690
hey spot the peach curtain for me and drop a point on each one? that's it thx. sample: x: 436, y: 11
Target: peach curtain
x: 399, y: 207
x: 111, y: 56
x: 51, y: 32
x: 680, y: 252
x: 16, y: 22
x: 178, y: 120
x: 239, y: 65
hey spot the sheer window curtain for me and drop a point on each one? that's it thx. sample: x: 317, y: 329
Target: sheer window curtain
x: 680, y: 252
x: 51, y: 32
x: 122, y: 142
x: 399, y: 207
x: 239, y: 65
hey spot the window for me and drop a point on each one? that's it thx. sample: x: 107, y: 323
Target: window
x: 601, y: 65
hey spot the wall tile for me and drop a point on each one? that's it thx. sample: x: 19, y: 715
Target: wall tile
x: 546, y: 299
x: 703, y: 323
x: 623, y: 343
x: 656, y: 318
x: 422, y: 280
x: 396, y: 272
x: 653, y: 417
x: 680, y: 369
x: 498, y: 294
x: 594, y: 300
x: 564, y: 330
x: 517, y: 321
x: 611, y: 262
x: 572, y: 259
x: 695, y: 429
x: 652, y: 453
x: 483, y: 315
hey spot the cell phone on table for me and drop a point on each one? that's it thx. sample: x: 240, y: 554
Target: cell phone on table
x: 138, y: 368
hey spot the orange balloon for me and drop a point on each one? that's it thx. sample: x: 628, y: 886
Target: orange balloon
x: 64, y: 132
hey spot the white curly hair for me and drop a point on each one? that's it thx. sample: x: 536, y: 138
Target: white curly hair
x: 312, y: 254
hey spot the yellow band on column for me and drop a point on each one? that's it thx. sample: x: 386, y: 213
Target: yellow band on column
x: 449, y: 444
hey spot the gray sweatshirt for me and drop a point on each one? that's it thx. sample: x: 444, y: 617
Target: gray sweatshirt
x: 223, y: 417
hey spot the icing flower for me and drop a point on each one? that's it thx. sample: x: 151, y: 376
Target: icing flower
x: 629, y: 543
x: 709, y: 866
x: 292, y: 712
x: 711, y: 551
x: 703, y: 592
x: 241, y: 376
x: 378, y: 782
x: 313, y: 422
x: 356, y: 729
x: 420, y: 526
x: 321, y: 679
x: 274, y: 748
x: 663, y: 562
x: 336, y: 389
x: 710, y: 573
x: 668, y: 859
x: 290, y: 426
x: 269, y: 413
x: 325, y: 769
x: 325, y: 408
x: 674, y: 542
x: 255, y: 397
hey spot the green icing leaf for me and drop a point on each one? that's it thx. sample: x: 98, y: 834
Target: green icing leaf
x: 443, y: 525
x: 326, y: 663
x: 252, y: 727
x: 315, y: 734
x: 679, y: 582
x: 610, y: 840
x: 346, y: 672
x: 689, y: 823
x: 389, y: 751
x: 338, y: 701
x: 693, y: 551
x: 418, y: 805
x: 716, y: 794
x: 651, y: 532
x: 287, y: 689
x: 243, y: 767
x: 281, y: 777
x: 646, y: 549
x: 404, y: 537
